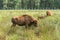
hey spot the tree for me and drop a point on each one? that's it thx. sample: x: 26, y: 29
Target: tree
x: 11, y: 4
x: 1, y: 4
x: 31, y: 4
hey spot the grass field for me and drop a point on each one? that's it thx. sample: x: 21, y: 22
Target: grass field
x: 48, y: 28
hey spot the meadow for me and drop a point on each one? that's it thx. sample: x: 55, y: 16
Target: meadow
x: 48, y: 28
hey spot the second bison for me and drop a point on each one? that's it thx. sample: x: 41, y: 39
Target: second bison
x: 48, y: 13
x: 24, y: 20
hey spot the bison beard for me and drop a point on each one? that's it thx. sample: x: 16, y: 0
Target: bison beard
x: 24, y: 20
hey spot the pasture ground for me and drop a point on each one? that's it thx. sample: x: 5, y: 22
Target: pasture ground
x: 48, y: 28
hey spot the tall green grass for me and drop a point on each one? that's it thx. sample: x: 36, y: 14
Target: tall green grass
x: 48, y: 28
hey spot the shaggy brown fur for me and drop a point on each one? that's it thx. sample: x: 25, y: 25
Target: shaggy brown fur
x: 24, y: 20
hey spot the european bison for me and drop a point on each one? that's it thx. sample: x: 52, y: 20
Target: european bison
x: 48, y: 13
x: 24, y: 20
x: 41, y: 17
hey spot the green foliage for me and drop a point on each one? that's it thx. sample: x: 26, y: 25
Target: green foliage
x: 29, y: 4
